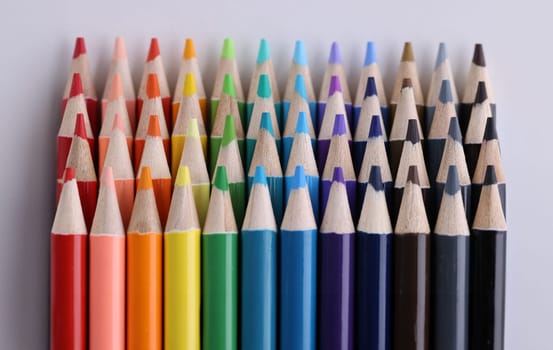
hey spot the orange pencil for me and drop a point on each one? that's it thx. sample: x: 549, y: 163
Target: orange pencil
x: 154, y: 158
x: 75, y: 105
x: 118, y: 158
x: 80, y: 159
x: 107, y: 271
x: 154, y: 65
x: 153, y: 105
x: 144, y: 270
x: 120, y: 65
x: 115, y: 106
x: 189, y: 64
x: 80, y: 65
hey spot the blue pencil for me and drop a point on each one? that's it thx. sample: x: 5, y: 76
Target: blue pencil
x: 298, y: 269
x: 266, y: 155
x: 258, y: 244
x: 302, y: 154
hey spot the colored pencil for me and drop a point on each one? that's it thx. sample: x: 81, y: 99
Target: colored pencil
x: 154, y: 158
x: 227, y: 65
x: 334, y: 68
x: 302, y: 154
x: 336, y: 269
x: 189, y: 64
x: 150, y: 106
x: 154, y: 65
x: 411, y: 271
x: 442, y: 71
x: 144, y: 269
x: 334, y: 106
x: 490, y: 154
x: 220, y: 270
x: 299, y: 66
x: 227, y: 106
x: 407, y: 70
x: 229, y: 157
x: 369, y: 71
x: 182, y: 268
x: 412, y: 155
x: 118, y: 158
x: 370, y: 108
x: 405, y: 110
x: 199, y: 178
x: 298, y: 269
x: 189, y: 109
x: 487, y: 268
x: 120, y: 66
x: 264, y: 65
x: 80, y: 65
x: 266, y: 155
x: 480, y: 113
x: 478, y: 72
x: 373, y: 258
x: 80, y: 159
x: 75, y: 106
x: 339, y: 156
x: 453, y: 154
x: 68, y: 270
x: 107, y: 270
x: 258, y: 246
x: 450, y: 270
x: 115, y: 106
x: 298, y: 104
x: 375, y: 155
x: 263, y: 104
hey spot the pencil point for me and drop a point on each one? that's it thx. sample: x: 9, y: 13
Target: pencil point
x: 76, y: 85
x: 266, y: 123
x: 335, y: 85
x: 189, y: 88
x: 301, y: 124
x: 116, y: 89
x: 413, y: 175
x: 335, y: 55
x: 490, y: 178
x: 118, y: 123
x: 80, y: 47
x: 412, y: 132
x: 228, y: 49
x: 481, y: 93
x: 299, y: 86
x: 442, y: 55
x: 407, y: 82
x: 490, y: 133
x: 145, y: 181
x: 189, y: 49
x: 229, y: 131
x: 454, y: 129
x: 445, y: 92
x: 153, y: 52
x: 264, y: 53
x: 80, y: 128
x: 370, y: 90
x: 152, y: 86
x: 478, y: 57
x: 370, y: 54
x: 299, y: 178
x: 300, y: 55
x: 228, y: 85
x: 153, y: 126
x: 192, y: 129
x: 339, y: 125
x: 107, y: 177
x: 264, y: 86
x: 68, y: 174
x: 408, y: 54
x: 452, y: 183
x: 375, y: 129
x: 259, y: 176
x: 119, y: 52
x: 338, y: 175
x: 183, y: 176
x: 221, y: 180
x: 375, y: 178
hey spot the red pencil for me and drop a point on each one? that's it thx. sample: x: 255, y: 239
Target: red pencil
x: 68, y: 278
x: 80, y: 65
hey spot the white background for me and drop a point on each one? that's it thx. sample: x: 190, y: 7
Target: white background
x: 37, y: 41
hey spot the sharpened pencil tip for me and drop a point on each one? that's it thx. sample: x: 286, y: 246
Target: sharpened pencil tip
x: 490, y: 178
x: 116, y: 89
x: 80, y: 128
x: 407, y: 82
x: 339, y: 125
x: 370, y: 90
x: 68, y: 174
x: 408, y: 55
x: 189, y: 85
x: 445, y: 92
x: 118, y: 122
x: 266, y: 123
x: 228, y: 49
x: 189, y: 49
x: 299, y: 178
x: 145, y: 181
x: 152, y: 86
x: 76, y: 85
x: 153, y: 126
x: 80, y: 47
x: 264, y: 86
x: 370, y: 54
x: 228, y: 86
x: 300, y: 55
x: 301, y: 125
x: 334, y: 86
x: 119, y: 51
x: 412, y: 134
x: 153, y: 52
x: 481, y: 93
x: 375, y: 178
x: 264, y: 53
x: 107, y: 177
x: 192, y: 129
x: 299, y: 86
x: 183, y: 176
x: 452, y: 183
x: 413, y: 175
x: 335, y: 54
x: 338, y: 175
x: 375, y: 129
x: 259, y: 177
x: 221, y: 180
x: 454, y: 130
x: 478, y: 57
x: 229, y: 131
x: 442, y: 55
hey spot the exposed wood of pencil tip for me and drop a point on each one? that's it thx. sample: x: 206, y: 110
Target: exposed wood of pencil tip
x: 489, y: 213
x: 107, y: 217
x: 452, y: 219
x: 145, y: 217
x: 412, y: 214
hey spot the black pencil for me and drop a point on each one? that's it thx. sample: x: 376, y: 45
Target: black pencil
x: 474, y: 134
